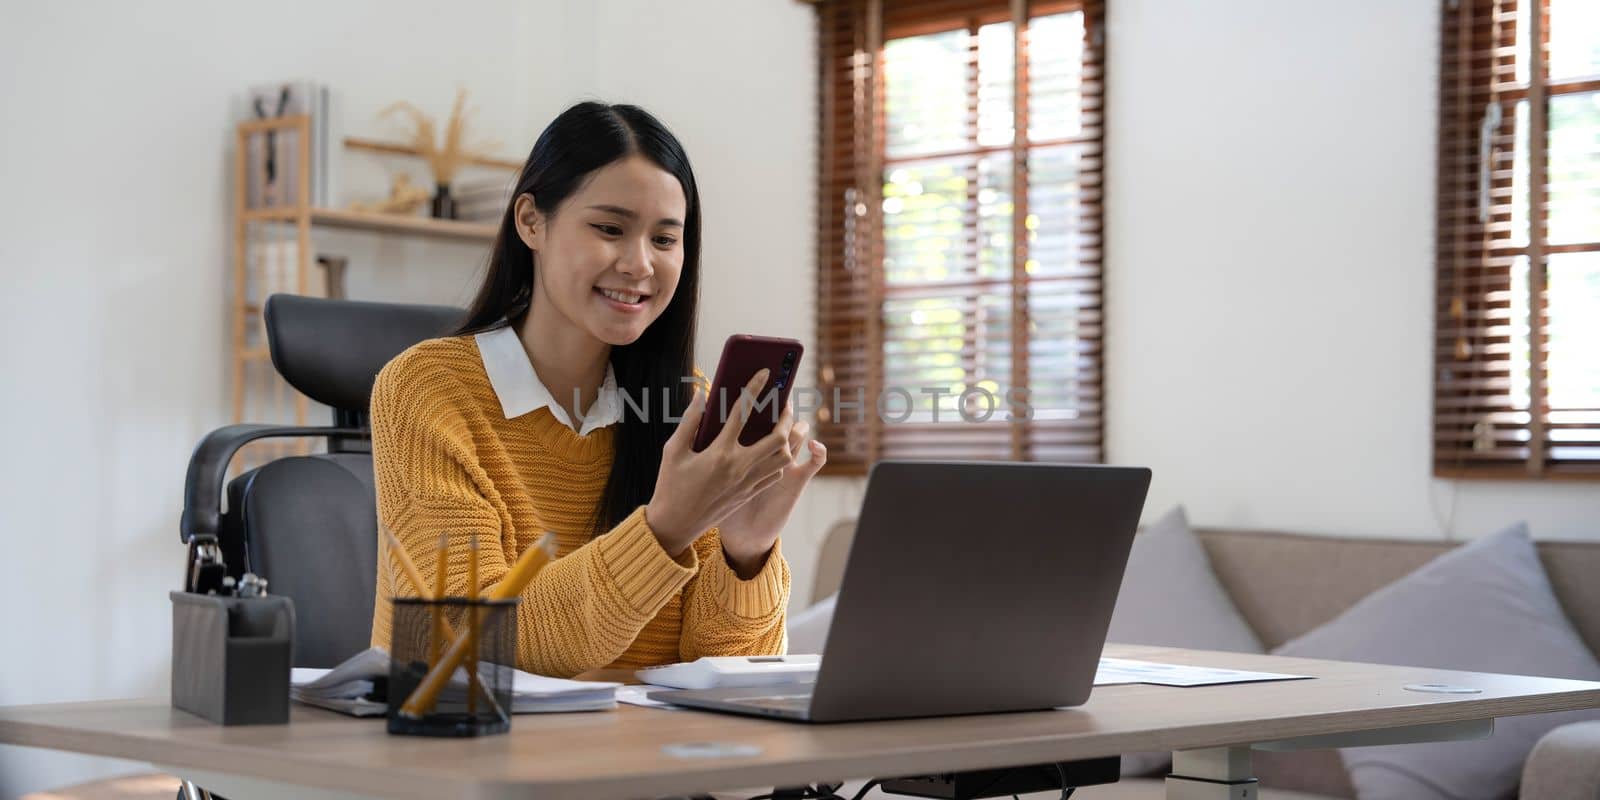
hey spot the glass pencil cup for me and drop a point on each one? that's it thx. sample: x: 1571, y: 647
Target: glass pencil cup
x: 470, y: 636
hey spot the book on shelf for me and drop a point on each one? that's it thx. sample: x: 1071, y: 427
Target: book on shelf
x: 272, y: 158
x: 483, y: 200
x: 276, y: 269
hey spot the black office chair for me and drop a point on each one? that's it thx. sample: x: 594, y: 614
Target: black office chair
x: 308, y: 524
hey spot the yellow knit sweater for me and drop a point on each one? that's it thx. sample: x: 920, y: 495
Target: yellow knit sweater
x: 447, y: 460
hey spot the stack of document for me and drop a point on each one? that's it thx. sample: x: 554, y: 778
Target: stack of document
x: 349, y: 688
x: 1116, y: 671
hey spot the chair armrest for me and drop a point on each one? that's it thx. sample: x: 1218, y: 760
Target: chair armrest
x: 1564, y: 765
x: 208, y: 467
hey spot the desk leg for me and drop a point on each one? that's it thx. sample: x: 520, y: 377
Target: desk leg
x: 189, y: 791
x: 1217, y: 773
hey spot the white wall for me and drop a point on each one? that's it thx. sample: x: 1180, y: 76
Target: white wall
x: 116, y: 257
x: 1269, y: 278
x: 113, y: 239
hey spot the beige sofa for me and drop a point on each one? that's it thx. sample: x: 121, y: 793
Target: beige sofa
x: 1286, y: 584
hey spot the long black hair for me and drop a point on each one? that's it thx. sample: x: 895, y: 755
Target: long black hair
x: 580, y: 141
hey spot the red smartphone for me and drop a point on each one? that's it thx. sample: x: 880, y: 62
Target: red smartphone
x: 742, y: 357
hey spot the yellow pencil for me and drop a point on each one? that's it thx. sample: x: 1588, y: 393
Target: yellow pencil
x: 415, y: 576
x: 416, y: 580
x: 412, y: 573
x: 406, y: 564
x: 472, y: 619
x: 522, y: 573
x: 436, y: 642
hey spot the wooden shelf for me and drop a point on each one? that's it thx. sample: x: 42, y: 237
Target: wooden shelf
x: 381, y: 223
x: 272, y: 214
x: 397, y: 223
x: 293, y: 225
x: 374, y: 146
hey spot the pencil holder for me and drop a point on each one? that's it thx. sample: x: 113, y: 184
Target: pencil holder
x: 424, y: 632
x: 231, y: 657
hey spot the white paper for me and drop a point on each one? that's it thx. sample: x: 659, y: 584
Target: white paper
x: 345, y: 688
x: 355, y: 707
x: 639, y: 696
x: 527, y: 684
x: 365, y: 665
x: 1115, y: 671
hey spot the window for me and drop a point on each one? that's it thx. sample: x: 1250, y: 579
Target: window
x: 959, y: 281
x: 1517, y: 348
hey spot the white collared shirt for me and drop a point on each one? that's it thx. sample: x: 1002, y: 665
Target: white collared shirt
x: 521, y: 392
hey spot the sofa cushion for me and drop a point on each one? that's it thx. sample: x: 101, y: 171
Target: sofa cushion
x: 1565, y: 763
x: 1318, y: 772
x: 1286, y: 584
x: 1171, y: 597
x: 1484, y: 607
x: 808, y: 629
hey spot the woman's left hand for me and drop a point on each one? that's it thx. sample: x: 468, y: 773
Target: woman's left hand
x: 750, y: 531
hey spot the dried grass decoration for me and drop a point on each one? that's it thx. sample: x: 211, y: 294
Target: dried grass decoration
x: 403, y: 198
x: 444, y: 158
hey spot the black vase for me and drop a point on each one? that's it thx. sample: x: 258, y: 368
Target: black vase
x: 444, y: 205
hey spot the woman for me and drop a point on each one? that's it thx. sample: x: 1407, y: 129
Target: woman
x: 544, y: 412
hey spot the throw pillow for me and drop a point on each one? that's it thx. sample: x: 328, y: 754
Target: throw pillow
x: 1484, y: 607
x: 1171, y: 597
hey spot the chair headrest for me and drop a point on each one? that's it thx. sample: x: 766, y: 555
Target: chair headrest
x: 331, y: 350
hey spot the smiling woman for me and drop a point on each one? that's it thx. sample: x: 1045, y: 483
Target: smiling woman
x: 513, y: 427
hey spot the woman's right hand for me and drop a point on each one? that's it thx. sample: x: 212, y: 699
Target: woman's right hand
x: 695, y: 491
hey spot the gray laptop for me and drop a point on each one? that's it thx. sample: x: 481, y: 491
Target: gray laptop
x: 971, y: 588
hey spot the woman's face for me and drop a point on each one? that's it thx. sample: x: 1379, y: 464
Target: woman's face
x: 609, y: 259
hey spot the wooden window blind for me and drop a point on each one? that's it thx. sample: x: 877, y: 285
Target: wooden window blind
x: 959, y: 296
x: 1517, y: 312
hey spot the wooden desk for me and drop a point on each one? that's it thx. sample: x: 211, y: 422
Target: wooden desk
x: 620, y: 754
